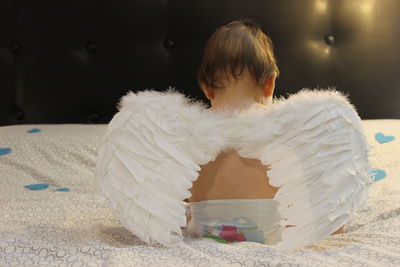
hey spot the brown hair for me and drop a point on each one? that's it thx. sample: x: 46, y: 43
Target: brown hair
x: 233, y: 48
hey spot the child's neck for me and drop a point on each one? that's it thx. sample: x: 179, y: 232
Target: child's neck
x: 236, y: 104
x: 241, y: 94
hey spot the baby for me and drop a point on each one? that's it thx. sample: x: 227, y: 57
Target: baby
x: 238, y: 71
x: 232, y: 199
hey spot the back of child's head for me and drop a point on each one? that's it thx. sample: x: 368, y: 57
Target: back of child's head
x: 235, y: 48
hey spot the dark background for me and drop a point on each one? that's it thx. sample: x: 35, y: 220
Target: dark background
x: 70, y: 61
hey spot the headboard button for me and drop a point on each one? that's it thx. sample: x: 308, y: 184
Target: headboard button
x: 94, y: 118
x: 19, y: 114
x: 14, y: 47
x: 168, y: 43
x: 330, y: 39
x: 91, y: 47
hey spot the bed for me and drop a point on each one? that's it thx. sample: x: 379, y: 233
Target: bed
x: 68, y: 223
x: 65, y: 65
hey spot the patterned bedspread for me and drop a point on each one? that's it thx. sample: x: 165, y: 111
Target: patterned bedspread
x: 52, y: 214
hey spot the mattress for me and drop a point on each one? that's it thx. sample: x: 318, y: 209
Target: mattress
x: 53, y: 214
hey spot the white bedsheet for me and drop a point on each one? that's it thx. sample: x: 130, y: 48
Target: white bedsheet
x: 75, y: 228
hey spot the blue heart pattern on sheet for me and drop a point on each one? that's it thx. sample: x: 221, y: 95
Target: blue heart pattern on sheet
x: 62, y: 189
x: 44, y: 186
x: 378, y: 174
x: 381, y: 138
x: 37, y: 186
x: 5, y: 151
x: 34, y: 130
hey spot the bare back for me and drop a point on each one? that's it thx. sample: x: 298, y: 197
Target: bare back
x: 230, y: 176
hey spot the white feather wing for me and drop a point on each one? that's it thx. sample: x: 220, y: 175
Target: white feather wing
x: 313, y: 141
x: 315, y: 145
x: 149, y: 157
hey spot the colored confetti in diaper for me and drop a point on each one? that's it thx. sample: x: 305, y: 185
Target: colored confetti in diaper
x: 239, y: 229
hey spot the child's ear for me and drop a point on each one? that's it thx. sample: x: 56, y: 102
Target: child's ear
x: 269, y: 85
x: 209, y: 94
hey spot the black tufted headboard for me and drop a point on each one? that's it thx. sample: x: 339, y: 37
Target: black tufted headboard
x: 69, y: 61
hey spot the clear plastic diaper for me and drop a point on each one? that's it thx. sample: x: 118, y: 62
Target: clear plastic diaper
x: 235, y: 220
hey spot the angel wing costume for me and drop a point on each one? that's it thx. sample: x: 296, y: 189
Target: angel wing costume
x: 313, y: 141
